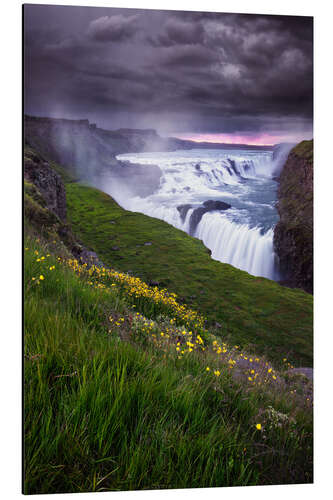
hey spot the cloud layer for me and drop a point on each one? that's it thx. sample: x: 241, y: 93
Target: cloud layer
x: 179, y: 72
x: 116, y: 28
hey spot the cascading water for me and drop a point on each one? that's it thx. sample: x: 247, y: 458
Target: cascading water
x: 237, y: 244
x: 195, y: 184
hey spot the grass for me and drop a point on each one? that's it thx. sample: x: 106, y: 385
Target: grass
x: 107, y: 414
x: 241, y: 308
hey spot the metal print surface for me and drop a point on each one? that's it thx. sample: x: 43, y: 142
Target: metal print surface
x: 168, y: 220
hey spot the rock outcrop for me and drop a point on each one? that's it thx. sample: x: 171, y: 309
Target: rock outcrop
x: 45, y: 206
x: 183, y: 209
x: 196, y: 215
x: 293, y: 235
x: 49, y: 184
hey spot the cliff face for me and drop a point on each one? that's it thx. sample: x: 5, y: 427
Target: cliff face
x: 45, y: 207
x: 48, y: 184
x: 293, y: 235
x: 71, y: 142
x: 89, y: 153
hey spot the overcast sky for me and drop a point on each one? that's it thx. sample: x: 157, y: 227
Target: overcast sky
x: 225, y: 77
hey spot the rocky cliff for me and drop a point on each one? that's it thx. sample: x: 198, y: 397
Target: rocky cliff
x: 48, y: 184
x: 70, y: 142
x: 293, y: 235
x: 45, y: 208
x: 89, y: 153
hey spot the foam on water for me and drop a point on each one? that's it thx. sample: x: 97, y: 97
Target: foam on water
x: 238, y: 244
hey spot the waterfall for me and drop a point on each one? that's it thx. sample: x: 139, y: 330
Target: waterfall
x: 238, y: 244
x: 191, y: 179
x: 196, y: 170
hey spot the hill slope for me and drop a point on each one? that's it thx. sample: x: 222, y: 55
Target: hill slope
x: 239, y: 307
x: 245, y: 309
x: 113, y: 403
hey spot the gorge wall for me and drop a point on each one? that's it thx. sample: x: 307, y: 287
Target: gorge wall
x: 45, y: 207
x: 293, y: 235
x: 48, y: 184
x: 89, y: 153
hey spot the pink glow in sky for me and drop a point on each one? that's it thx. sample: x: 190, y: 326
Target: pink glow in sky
x: 252, y: 139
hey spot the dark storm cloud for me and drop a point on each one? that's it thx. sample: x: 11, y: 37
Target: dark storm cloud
x: 115, y: 28
x: 177, y: 31
x: 175, y: 71
x: 188, y: 56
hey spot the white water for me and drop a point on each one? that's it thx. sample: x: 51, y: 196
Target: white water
x: 241, y: 236
x: 237, y: 244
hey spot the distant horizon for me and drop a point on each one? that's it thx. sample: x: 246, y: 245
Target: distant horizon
x: 263, y: 140
x: 238, y: 140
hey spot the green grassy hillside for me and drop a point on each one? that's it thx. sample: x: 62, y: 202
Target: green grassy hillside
x: 250, y: 311
x: 118, y: 397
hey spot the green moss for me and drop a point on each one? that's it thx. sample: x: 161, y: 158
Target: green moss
x: 251, y: 310
x: 33, y: 193
x: 35, y: 210
x: 304, y: 150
